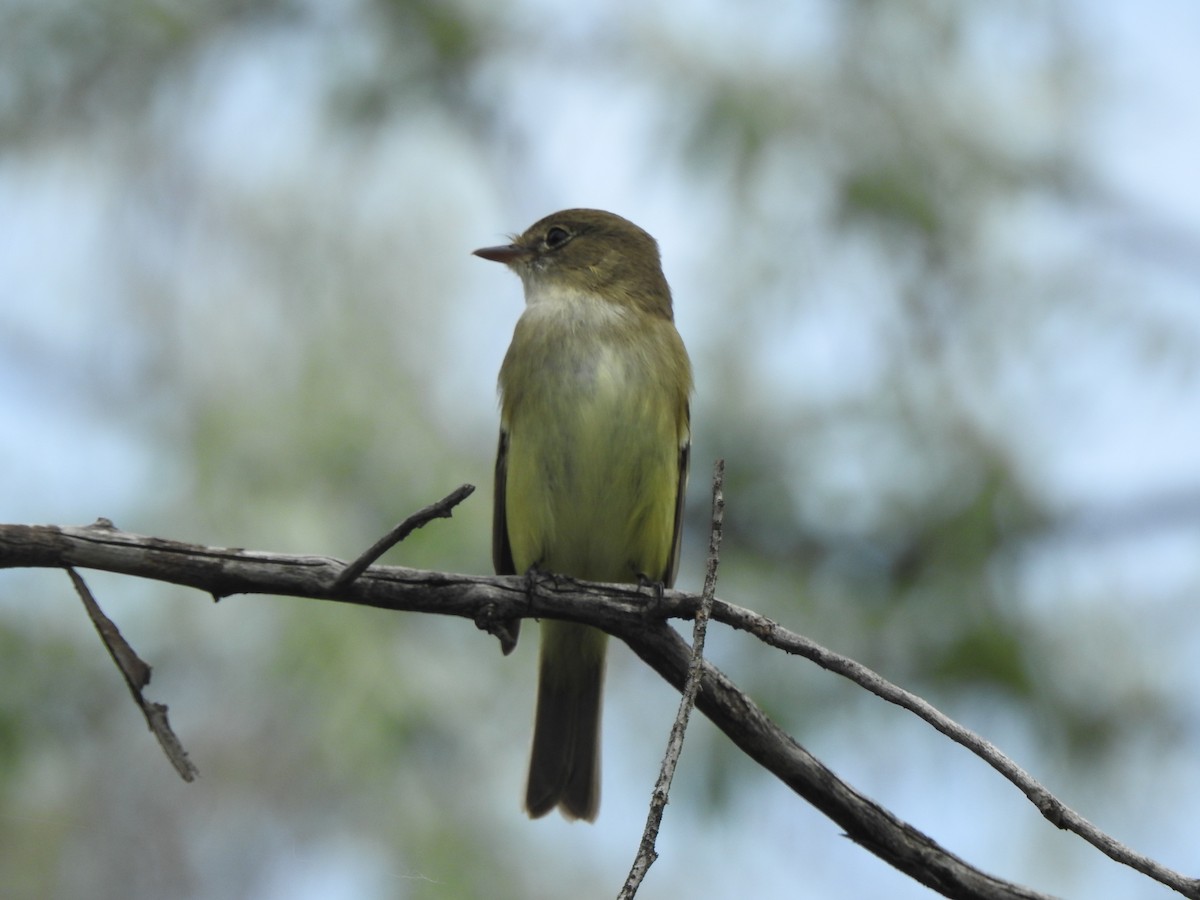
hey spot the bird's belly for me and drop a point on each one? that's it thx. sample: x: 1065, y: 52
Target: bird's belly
x: 591, y: 491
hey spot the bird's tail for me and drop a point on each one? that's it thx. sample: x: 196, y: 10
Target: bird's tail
x: 564, y: 767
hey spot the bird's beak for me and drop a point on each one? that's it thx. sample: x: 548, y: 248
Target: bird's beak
x: 507, y: 254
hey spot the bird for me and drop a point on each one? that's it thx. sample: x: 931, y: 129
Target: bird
x: 592, y: 463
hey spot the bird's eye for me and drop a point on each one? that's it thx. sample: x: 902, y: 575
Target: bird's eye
x: 556, y: 237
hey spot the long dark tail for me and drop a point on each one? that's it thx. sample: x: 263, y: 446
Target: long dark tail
x: 564, y: 768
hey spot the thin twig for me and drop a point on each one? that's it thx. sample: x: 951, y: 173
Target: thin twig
x: 443, y: 509
x: 137, y: 676
x: 647, y: 853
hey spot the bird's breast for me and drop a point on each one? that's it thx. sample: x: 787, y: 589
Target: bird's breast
x: 592, y: 468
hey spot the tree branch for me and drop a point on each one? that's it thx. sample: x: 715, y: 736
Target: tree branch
x: 1054, y: 810
x: 617, y: 609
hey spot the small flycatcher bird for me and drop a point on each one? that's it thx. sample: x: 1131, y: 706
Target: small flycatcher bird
x: 593, y: 460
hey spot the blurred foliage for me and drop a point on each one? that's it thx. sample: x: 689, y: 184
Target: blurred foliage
x: 280, y: 310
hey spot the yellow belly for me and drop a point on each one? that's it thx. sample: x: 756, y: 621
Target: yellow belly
x: 593, y: 474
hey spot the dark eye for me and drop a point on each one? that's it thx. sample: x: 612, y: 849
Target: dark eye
x: 556, y: 237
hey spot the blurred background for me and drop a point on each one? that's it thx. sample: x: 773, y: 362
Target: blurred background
x: 938, y: 268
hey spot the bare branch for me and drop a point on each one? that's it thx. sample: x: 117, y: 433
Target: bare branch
x: 865, y: 822
x: 1055, y: 811
x: 137, y: 676
x: 617, y: 609
x: 442, y: 509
